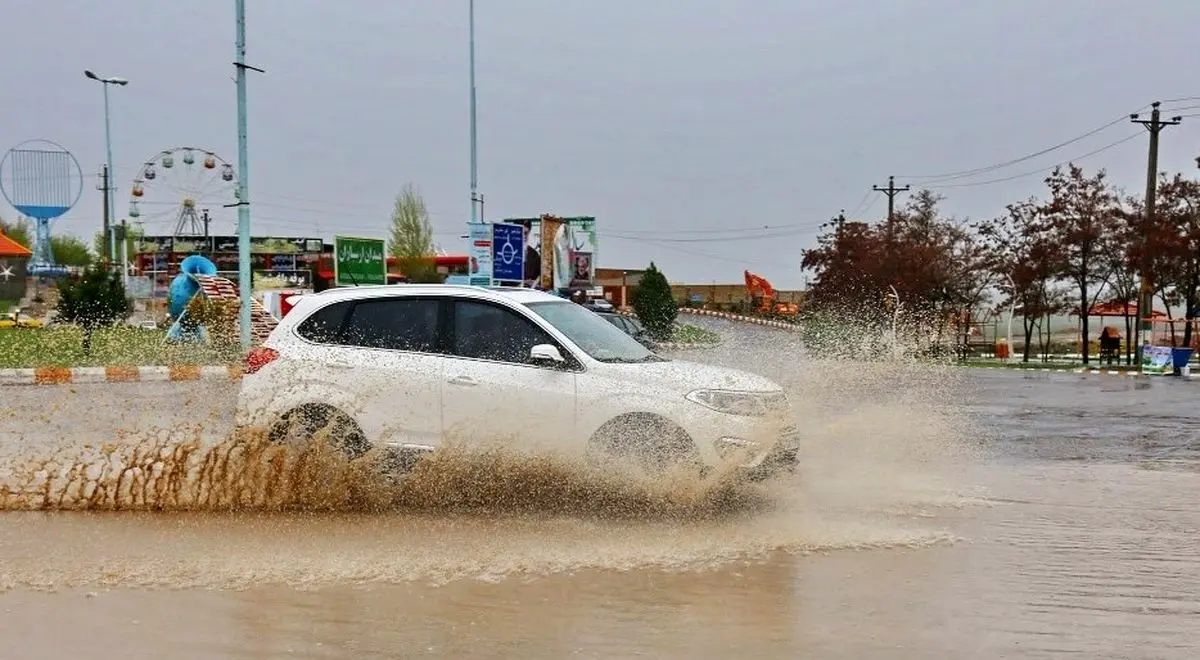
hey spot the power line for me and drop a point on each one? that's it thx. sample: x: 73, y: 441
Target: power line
x: 947, y: 176
x: 1039, y: 171
x: 703, y: 255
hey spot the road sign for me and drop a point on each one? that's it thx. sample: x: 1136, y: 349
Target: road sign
x: 508, y: 252
x: 358, y: 261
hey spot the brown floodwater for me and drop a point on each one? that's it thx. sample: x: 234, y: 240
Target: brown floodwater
x: 937, y: 513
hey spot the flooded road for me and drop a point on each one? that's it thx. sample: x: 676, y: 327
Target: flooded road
x: 938, y: 513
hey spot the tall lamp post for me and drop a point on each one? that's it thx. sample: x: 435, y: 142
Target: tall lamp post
x: 476, y: 198
x: 108, y: 192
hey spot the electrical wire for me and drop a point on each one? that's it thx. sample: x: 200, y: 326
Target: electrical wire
x: 948, y: 176
x: 1040, y: 171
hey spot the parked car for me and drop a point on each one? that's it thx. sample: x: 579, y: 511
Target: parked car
x: 400, y: 367
x: 630, y: 326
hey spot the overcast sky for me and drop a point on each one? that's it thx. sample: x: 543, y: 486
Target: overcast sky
x: 684, y: 127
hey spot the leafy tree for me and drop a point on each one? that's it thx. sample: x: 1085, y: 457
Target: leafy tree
x: 17, y: 230
x: 1176, y: 240
x: 1082, y: 214
x: 937, y: 267
x: 95, y: 300
x: 133, y: 234
x: 654, y: 304
x: 411, y: 239
x: 1024, y: 264
x: 70, y: 250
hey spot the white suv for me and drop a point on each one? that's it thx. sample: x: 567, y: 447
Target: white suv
x: 402, y: 367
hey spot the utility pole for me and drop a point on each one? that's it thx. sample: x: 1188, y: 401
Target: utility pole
x: 243, y: 173
x: 107, y: 229
x: 1154, y: 125
x: 891, y: 191
x: 204, y: 217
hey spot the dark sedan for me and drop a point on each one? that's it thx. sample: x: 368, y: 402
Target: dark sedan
x: 630, y: 326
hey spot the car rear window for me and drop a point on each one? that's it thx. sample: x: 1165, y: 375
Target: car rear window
x: 324, y: 325
x: 401, y: 324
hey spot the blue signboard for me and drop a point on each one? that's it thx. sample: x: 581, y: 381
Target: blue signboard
x: 508, y: 252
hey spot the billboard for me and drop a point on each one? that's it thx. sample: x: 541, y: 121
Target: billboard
x: 275, y: 260
x: 480, y: 252
x: 568, y: 246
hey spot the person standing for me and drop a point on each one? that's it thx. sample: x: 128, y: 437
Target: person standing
x: 533, y: 258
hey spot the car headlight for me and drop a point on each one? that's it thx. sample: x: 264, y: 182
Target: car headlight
x: 747, y: 404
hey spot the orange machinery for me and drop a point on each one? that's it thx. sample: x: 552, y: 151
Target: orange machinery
x: 764, y: 298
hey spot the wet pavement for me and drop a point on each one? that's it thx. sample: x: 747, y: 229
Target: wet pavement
x: 937, y: 513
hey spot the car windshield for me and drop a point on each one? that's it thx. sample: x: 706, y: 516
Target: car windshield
x: 594, y: 335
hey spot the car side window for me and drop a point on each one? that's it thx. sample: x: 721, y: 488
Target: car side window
x: 324, y: 326
x: 490, y: 332
x: 400, y: 324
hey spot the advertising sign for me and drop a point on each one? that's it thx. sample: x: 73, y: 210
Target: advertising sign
x: 571, y: 262
x: 358, y: 261
x: 204, y: 244
x: 480, y: 251
x: 1156, y: 359
x: 508, y: 252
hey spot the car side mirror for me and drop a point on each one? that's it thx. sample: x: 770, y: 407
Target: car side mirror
x: 546, y: 354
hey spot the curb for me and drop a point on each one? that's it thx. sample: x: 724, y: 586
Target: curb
x: 1090, y: 372
x: 676, y: 346
x: 119, y: 374
x: 770, y: 323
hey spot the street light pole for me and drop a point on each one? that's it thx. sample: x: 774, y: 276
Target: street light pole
x: 474, y: 150
x: 109, y: 189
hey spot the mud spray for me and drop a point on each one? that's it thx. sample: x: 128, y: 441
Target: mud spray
x: 147, y: 506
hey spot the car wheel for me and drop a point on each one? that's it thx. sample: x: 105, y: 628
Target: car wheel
x: 646, y: 441
x: 302, y: 424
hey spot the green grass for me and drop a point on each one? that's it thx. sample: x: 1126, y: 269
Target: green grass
x: 62, y: 346
x: 691, y: 334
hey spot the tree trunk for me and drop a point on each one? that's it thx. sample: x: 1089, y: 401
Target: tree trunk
x: 1028, y: 324
x: 87, y: 340
x: 1189, y: 313
x: 1083, y: 321
x: 1044, y: 336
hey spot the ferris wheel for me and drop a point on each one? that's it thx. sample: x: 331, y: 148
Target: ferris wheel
x: 178, y: 185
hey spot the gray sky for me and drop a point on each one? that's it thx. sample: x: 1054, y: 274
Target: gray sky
x: 667, y: 124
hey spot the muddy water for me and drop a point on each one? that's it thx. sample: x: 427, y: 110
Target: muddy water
x: 937, y: 514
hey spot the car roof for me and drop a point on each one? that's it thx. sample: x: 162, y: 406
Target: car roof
x: 498, y: 293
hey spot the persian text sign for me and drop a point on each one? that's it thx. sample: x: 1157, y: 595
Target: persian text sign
x: 358, y: 261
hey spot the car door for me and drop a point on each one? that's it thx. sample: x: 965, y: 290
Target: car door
x: 491, y: 389
x: 392, y: 362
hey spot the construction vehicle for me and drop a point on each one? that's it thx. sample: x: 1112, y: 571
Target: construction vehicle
x: 764, y: 299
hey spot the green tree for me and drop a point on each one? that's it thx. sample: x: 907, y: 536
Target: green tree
x: 654, y: 304
x: 133, y: 234
x: 18, y: 230
x: 70, y: 250
x: 411, y: 237
x: 93, y: 301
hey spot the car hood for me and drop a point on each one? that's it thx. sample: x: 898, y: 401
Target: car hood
x: 693, y: 375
